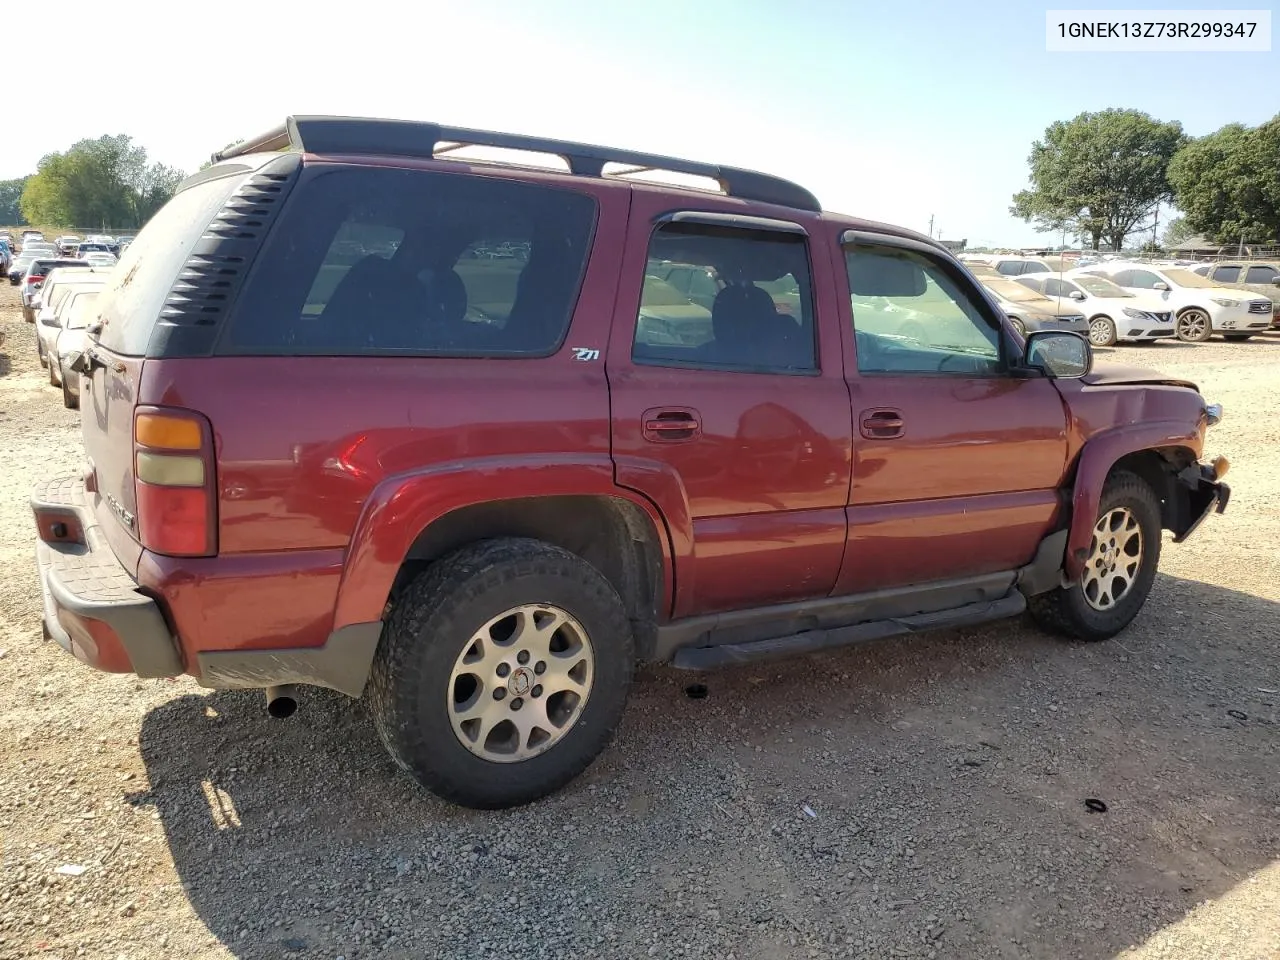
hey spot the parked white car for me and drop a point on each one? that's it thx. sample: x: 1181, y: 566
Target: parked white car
x: 1114, y: 314
x: 48, y: 322
x: 1200, y: 307
x: 78, y: 313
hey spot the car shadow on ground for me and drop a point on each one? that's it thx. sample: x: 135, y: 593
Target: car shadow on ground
x: 919, y: 794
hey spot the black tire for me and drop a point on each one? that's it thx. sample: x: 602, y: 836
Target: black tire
x: 431, y: 624
x: 1237, y: 337
x: 44, y: 361
x: 54, y: 379
x: 1066, y: 611
x: 1019, y: 327
x: 69, y: 399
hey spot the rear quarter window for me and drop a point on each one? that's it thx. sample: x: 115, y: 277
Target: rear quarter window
x: 420, y: 263
x: 137, y: 287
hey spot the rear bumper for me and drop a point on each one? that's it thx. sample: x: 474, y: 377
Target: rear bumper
x: 98, y: 612
x: 92, y: 606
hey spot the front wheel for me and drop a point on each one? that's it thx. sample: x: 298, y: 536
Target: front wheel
x: 1018, y: 326
x: 1120, y: 569
x: 1193, y: 326
x: 502, y: 672
x: 1102, y: 332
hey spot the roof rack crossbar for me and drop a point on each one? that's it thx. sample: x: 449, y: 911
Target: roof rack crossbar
x: 406, y: 138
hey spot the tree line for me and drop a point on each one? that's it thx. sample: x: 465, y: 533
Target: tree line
x: 108, y: 183
x: 1103, y: 176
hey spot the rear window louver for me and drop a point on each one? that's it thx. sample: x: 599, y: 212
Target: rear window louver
x: 206, y: 286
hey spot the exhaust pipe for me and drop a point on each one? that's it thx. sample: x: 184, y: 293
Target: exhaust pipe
x: 282, y: 701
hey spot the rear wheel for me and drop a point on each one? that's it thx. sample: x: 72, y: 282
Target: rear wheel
x: 502, y: 672
x: 1193, y: 326
x: 1120, y: 569
x: 1019, y: 326
x: 1102, y: 332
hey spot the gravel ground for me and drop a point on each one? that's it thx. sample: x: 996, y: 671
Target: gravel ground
x: 945, y: 776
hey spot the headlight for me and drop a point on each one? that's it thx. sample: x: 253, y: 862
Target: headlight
x: 1213, y: 412
x: 1224, y: 302
x: 1135, y: 314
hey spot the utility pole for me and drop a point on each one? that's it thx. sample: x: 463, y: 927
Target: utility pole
x: 931, y: 224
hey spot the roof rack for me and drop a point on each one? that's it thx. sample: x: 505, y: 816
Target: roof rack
x: 408, y: 138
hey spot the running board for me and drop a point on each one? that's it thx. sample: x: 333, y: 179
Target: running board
x: 812, y: 641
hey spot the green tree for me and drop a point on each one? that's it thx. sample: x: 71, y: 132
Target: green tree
x: 1177, y: 231
x: 1228, y: 183
x: 1099, y: 175
x: 10, y: 192
x: 106, y: 182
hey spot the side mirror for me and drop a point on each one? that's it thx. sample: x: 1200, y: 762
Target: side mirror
x: 1276, y: 282
x: 1077, y: 294
x: 1160, y: 285
x: 1060, y: 354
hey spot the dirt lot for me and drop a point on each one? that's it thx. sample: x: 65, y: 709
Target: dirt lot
x: 946, y: 778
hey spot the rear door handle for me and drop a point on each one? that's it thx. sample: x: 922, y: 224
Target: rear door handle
x: 883, y: 424
x: 671, y: 424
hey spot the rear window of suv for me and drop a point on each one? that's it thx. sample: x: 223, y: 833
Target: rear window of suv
x: 137, y: 287
x: 411, y: 262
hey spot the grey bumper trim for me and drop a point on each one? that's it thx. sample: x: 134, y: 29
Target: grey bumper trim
x: 342, y: 664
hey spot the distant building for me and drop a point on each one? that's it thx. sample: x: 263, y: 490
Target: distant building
x: 955, y: 246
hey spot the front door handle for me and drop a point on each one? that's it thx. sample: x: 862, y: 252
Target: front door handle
x: 882, y: 424
x: 671, y: 424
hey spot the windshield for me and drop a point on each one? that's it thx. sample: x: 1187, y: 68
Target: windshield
x: 1185, y: 278
x: 1011, y: 290
x: 1099, y: 287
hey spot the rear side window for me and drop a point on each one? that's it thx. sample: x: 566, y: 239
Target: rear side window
x: 726, y: 298
x: 1010, y: 268
x: 380, y: 261
x: 1262, y: 274
x: 1227, y: 274
x: 138, y: 286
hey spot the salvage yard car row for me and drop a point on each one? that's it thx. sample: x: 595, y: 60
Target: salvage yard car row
x: 1126, y: 300
x: 58, y: 295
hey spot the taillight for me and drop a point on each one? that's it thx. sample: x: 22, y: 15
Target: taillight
x: 174, y: 482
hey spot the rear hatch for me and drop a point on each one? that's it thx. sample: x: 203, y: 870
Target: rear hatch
x: 162, y: 299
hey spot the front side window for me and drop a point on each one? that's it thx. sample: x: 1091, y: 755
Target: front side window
x: 1262, y: 274
x: 1010, y: 268
x: 910, y: 316
x: 1227, y: 274
x: 726, y: 298
x: 409, y: 262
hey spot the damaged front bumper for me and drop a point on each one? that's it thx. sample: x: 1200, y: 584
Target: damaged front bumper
x: 1203, y: 493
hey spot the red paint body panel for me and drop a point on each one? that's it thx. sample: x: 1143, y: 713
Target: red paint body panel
x: 766, y: 480
x: 261, y: 601
x: 969, y: 487
x: 891, y: 544
x: 1112, y: 421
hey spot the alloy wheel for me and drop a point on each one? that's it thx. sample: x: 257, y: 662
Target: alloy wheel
x: 520, y: 683
x: 1114, y: 559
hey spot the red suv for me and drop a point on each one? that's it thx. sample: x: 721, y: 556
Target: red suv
x: 365, y: 412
